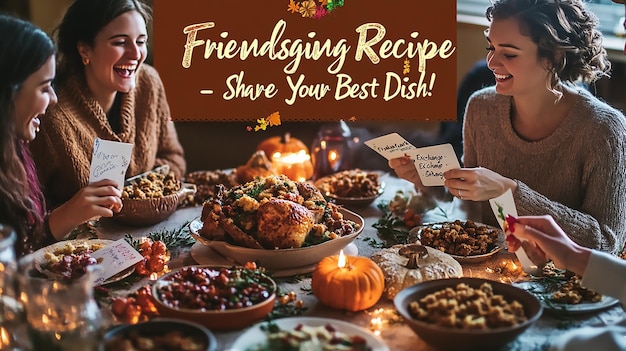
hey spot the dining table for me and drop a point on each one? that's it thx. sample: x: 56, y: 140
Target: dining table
x: 382, y: 319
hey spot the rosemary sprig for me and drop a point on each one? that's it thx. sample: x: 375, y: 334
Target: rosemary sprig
x: 390, y: 227
x: 172, y: 238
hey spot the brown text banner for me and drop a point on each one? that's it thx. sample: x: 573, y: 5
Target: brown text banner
x: 307, y: 60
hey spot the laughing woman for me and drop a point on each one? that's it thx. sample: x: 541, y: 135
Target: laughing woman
x: 105, y: 91
x: 27, y: 63
x: 558, y: 148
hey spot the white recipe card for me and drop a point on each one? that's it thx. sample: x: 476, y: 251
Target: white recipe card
x: 110, y: 160
x: 502, y: 206
x: 432, y: 161
x: 115, y: 258
x: 390, y: 146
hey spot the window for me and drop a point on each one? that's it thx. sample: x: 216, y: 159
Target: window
x: 608, y: 12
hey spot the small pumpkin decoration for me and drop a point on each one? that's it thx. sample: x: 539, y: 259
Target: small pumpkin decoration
x: 257, y: 166
x: 355, y: 285
x: 406, y: 265
x: 289, y: 156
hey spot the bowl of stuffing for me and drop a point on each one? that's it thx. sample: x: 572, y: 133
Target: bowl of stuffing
x: 218, y: 297
x: 352, y: 188
x: 160, y: 334
x: 151, y: 197
x: 464, y: 314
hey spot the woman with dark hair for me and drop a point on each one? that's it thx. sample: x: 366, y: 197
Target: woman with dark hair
x: 559, y: 149
x: 27, y: 63
x: 105, y: 91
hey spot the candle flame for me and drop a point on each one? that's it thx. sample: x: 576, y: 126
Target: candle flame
x: 332, y: 155
x: 291, y: 159
x: 341, y: 261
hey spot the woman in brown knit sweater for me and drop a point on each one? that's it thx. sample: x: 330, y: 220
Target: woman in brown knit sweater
x: 27, y: 63
x: 558, y: 148
x: 105, y: 91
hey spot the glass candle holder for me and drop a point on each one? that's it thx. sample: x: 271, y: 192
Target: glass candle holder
x: 11, y: 316
x: 332, y: 149
x: 61, y: 315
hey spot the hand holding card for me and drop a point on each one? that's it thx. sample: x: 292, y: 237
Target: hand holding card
x: 390, y: 146
x: 432, y: 161
x: 503, y: 207
x: 109, y: 160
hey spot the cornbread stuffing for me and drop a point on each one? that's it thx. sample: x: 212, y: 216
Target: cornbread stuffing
x: 465, y: 307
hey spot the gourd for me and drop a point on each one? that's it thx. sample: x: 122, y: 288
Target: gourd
x: 289, y: 156
x: 355, y: 287
x: 406, y: 265
x: 257, y: 166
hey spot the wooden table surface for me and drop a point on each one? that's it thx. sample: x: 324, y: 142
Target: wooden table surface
x: 397, y: 336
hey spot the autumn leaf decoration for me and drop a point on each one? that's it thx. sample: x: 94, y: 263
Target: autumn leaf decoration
x: 312, y: 8
x: 270, y: 121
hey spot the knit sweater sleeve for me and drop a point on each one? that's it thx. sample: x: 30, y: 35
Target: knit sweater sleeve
x: 605, y: 275
x: 170, y: 151
x: 600, y: 222
x: 469, y: 157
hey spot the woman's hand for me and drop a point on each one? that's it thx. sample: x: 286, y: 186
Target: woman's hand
x: 477, y: 184
x: 543, y: 239
x: 405, y: 169
x: 100, y: 199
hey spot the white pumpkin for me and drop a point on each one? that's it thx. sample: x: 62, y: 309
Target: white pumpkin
x: 406, y: 265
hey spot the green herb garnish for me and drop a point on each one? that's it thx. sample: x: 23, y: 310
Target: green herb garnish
x: 172, y: 238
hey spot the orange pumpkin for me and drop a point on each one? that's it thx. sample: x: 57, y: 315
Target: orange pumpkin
x: 355, y: 287
x: 289, y: 156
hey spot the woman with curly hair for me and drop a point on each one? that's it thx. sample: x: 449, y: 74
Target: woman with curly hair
x: 559, y: 149
x: 27, y: 63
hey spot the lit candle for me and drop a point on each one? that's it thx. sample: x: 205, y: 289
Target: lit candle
x: 292, y: 164
x: 341, y: 260
x: 333, y: 159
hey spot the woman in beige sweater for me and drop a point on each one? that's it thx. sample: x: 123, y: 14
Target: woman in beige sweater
x: 558, y: 148
x: 105, y: 91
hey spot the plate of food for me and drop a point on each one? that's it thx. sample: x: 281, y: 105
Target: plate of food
x: 466, y: 241
x: 276, y: 222
x: 352, y: 188
x: 311, y: 332
x: 290, y: 260
x: 560, y: 291
x: 69, y: 259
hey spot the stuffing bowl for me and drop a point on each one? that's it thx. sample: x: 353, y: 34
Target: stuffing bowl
x: 469, y: 337
x: 145, y: 212
x: 218, y: 297
x: 353, y: 188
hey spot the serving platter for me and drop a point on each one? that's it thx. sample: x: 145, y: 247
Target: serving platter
x: 41, y: 262
x: 280, y: 259
x: 205, y: 255
x: 500, y: 243
x: 255, y: 337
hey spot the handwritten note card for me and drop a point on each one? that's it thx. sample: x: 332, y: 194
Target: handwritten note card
x: 110, y: 160
x: 502, y: 206
x: 432, y: 161
x: 115, y: 258
x: 390, y: 146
